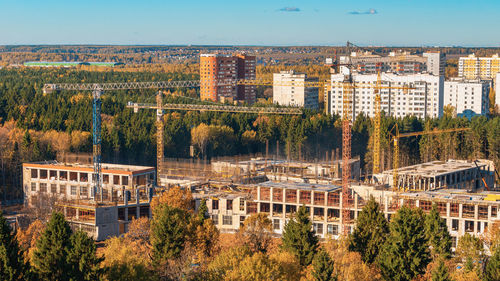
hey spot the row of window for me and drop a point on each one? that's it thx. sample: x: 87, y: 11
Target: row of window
x: 75, y: 176
x: 52, y: 188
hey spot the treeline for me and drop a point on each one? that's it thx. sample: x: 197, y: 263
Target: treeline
x: 181, y: 243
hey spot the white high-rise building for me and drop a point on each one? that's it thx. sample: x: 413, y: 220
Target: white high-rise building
x: 425, y: 100
x: 436, y: 63
x: 289, y: 90
x: 497, y: 90
x: 473, y: 67
x: 469, y: 98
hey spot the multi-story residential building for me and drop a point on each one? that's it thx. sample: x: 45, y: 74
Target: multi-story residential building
x: 497, y: 91
x: 467, y: 97
x: 218, y: 75
x: 289, y: 90
x: 425, y: 100
x: 436, y: 62
x: 397, y: 62
x: 472, y: 67
x: 245, y: 65
x: 127, y: 193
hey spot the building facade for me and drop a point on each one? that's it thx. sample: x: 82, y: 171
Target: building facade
x: 436, y: 63
x: 472, y: 67
x: 289, y: 90
x: 467, y: 96
x: 426, y: 100
x: 218, y: 75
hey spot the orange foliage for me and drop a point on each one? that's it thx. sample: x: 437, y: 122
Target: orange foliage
x: 27, y: 238
x: 175, y: 197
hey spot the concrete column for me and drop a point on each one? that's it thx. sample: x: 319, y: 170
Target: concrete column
x: 476, y: 211
x: 137, y: 209
x: 448, y: 209
x: 271, y: 195
x: 355, y: 205
x: 460, y: 210
x: 298, y: 197
x: 312, y: 197
x: 258, y: 192
x: 283, y: 195
x: 417, y: 203
x: 326, y: 199
x: 489, y: 213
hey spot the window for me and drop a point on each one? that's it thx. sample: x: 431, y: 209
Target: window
x: 33, y: 186
x: 43, y: 174
x: 333, y: 229
x: 53, y: 188
x: 215, y: 204
x: 43, y: 187
x: 62, y: 189
x: 84, y: 177
x: 84, y: 190
x: 229, y: 204
x: 124, y: 180
x: 242, y: 205
x: 105, y: 179
x: 34, y: 173
x: 227, y: 220
x: 63, y: 175
x: 53, y: 175
x: 116, y: 179
x: 276, y: 224
x: 469, y: 226
x: 318, y: 228
x: 73, y: 190
x: 454, y: 225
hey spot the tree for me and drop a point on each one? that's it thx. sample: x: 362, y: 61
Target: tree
x: 168, y: 232
x: 175, y: 197
x: 370, y: 232
x: 82, y: 258
x: 492, y: 271
x: 437, y: 233
x: 27, y: 238
x: 12, y: 266
x: 256, y: 232
x: 323, y: 267
x: 299, y: 238
x: 405, y: 254
x: 202, y: 210
x: 492, y: 236
x: 441, y: 273
x: 205, y: 239
x: 469, y: 248
x: 50, y: 257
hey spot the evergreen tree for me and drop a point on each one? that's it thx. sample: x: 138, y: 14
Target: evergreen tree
x: 323, y: 267
x: 299, y: 238
x: 437, y: 233
x: 50, y: 257
x: 440, y: 273
x: 202, y: 210
x: 168, y: 232
x: 492, y: 271
x: 370, y: 232
x: 12, y: 266
x: 405, y: 254
x: 82, y: 258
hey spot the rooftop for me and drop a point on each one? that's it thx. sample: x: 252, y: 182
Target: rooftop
x: 106, y: 167
x: 437, y: 168
x: 299, y: 186
x: 455, y: 194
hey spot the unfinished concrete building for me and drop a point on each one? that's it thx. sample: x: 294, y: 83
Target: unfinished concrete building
x: 127, y: 192
x: 452, y: 174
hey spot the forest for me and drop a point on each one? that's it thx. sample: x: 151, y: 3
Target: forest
x: 35, y: 126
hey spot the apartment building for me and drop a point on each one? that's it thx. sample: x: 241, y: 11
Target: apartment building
x: 497, y: 90
x: 398, y: 62
x: 289, y: 90
x: 472, y: 67
x: 469, y: 98
x: 218, y: 75
x: 425, y: 100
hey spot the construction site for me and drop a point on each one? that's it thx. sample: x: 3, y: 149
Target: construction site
x: 103, y: 198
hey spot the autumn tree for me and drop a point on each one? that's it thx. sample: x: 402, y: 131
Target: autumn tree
x: 256, y: 232
x: 202, y: 210
x: 437, y: 233
x: 370, y: 232
x: 28, y: 238
x: 82, y: 259
x: 175, y: 197
x: 492, y: 236
x: 470, y: 251
x: 298, y: 237
x: 323, y: 267
x: 168, y: 232
x: 441, y: 273
x: 492, y: 271
x: 405, y: 253
x: 12, y: 265
x: 205, y: 239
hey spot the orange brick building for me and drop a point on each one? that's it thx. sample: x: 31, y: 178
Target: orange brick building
x: 219, y: 69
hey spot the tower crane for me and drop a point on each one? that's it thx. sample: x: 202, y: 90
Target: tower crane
x: 396, y: 136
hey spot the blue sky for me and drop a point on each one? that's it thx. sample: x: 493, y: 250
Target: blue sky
x: 251, y: 22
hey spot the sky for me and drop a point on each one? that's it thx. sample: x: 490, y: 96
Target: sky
x: 251, y: 22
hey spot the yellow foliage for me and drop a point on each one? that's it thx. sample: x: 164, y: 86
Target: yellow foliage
x: 175, y: 197
x: 491, y: 237
x: 27, y: 238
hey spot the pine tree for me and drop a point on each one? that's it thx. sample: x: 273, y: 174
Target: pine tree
x: 299, y: 238
x: 82, y: 258
x: 168, y: 232
x: 12, y: 266
x: 323, y: 267
x: 437, y: 233
x: 492, y: 271
x: 440, y: 273
x: 370, y: 232
x: 50, y: 257
x: 405, y: 254
x: 202, y: 210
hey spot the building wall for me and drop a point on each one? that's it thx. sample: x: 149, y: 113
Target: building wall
x: 473, y: 67
x: 497, y: 90
x: 467, y: 95
x: 246, y: 70
x: 289, y: 90
x: 425, y: 100
x: 436, y: 63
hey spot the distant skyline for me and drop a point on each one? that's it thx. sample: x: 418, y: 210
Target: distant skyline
x: 259, y: 22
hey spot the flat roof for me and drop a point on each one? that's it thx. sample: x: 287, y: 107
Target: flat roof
x: 106, y: 167
x: 299, y: 186
x: 455, y: 194
x: 437, y: 168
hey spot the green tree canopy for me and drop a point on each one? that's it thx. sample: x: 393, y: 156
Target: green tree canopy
x: 370, y: 232
x: 323, y: 267
x: 441, y: 273
x: 492, y: 271
x: 437, y: 233
x: 12, y: 266
x: 299, y: 238
x: 85, y: 265
x: 168, y: 232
